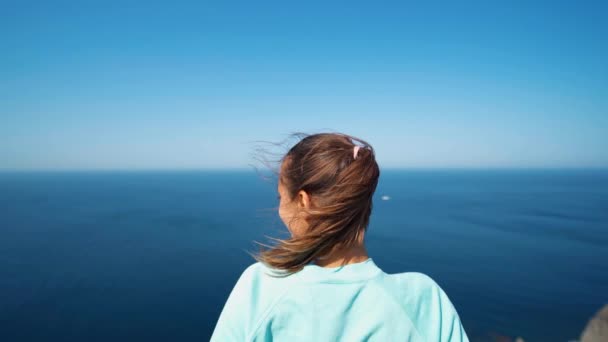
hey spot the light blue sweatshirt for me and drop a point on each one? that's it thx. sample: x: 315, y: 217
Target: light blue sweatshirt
x: 354, y: 302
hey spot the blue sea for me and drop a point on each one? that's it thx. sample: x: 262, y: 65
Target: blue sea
x: 151, y: 255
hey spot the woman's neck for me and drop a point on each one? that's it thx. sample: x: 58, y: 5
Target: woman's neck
x: 341, y: 257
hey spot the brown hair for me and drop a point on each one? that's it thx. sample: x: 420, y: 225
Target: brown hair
x: 340, y: 188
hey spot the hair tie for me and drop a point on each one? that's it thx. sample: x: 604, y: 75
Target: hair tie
x: 356, y: 150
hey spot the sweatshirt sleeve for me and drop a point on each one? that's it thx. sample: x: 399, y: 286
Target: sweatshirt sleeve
x: 232, y: 324
x: 431, y: 311
x: 448, y: 325
x: 451, y: 327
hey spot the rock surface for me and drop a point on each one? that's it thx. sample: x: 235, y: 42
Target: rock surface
x: 597, y: 328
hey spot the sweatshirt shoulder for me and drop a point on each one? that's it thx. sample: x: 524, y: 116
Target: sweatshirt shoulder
x: 262, y: 278
x: 258, y: 269
x: 415, y: 290
x: 428, y: 306
x: 247, y: 275
x: 252, y: 269
x: 417, y: 278
x: 413, y: 280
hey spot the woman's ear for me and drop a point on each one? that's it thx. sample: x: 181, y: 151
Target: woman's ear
x: 303, y: 199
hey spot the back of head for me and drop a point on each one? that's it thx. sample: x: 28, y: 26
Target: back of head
x: 339, y: 174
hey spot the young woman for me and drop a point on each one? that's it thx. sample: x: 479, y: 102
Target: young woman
x: 320, y: 284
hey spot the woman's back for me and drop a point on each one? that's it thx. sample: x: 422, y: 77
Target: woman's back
x: 355, y: 302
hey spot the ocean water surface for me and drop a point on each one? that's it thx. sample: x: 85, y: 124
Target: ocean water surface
x: 106, y: 256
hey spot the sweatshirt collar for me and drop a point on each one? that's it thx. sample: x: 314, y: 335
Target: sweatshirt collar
x: 360, y: 271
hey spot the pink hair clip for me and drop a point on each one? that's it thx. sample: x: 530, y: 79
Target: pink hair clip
x: 356, y: 150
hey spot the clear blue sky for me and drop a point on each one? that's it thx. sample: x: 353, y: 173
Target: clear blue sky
x: 191, y: 85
